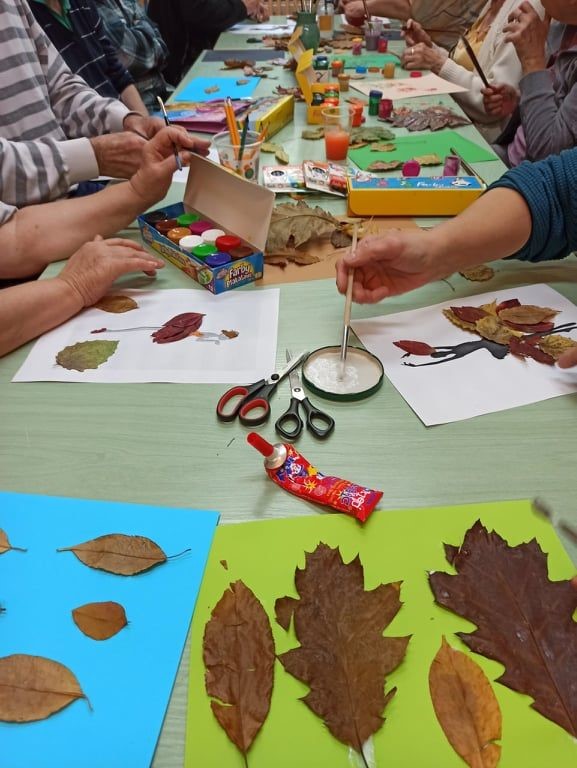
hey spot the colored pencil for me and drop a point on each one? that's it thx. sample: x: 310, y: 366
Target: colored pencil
x: 475, y: 60
x: 243, y: 139
x: 469, y: 168
x: 348, y: 306
x: 167, y: 122
x: 232, y: 126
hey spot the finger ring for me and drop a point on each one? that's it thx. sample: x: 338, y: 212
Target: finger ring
x: 412, y: 51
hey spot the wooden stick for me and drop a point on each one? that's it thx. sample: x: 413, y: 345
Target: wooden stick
x: 475, y: 60
x: 367, y: 14
x: 348, y: 306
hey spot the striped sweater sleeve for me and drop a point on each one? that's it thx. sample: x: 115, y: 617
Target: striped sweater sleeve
x: 548, y: 189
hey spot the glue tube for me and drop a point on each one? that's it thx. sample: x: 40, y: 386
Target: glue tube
x: 287, y: 468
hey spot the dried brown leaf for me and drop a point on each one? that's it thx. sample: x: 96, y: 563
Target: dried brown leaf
x: 466, y: 707
x: 312, y: 134
x: 294, y: 225
x: 426, y: 160
x: 479, y: 274
x: 212, y: 89
x: 100, y: 621
x: 230, y: 334
x: 5, y: 545
x: 340, y: 239
x: 450, y: 315
x: 555, y: 345
x: 282, y: 156
x: 343, y: 656
x: 33, y: 688
x: 524, y: 620
x: 116, y: 304
x: 238, y: 653
x: 527, y: 314
x: 380, y: 165
x: 118, y: 553
x: 238, y: 63
x: 491, y: 328
x: 383, y: 148
x: 270, y: 147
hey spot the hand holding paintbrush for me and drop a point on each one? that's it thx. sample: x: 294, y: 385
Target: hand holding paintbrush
x: 167, y: 121
x: 348, y: 305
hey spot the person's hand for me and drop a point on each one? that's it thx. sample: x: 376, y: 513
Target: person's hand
x: 421, y: 56
x: 153, y: 178
x: 252, y: 8
x: 96, y: 265
x: 414, y: 33
x: 146, y: 127
x: 354, y: 11
x: 568, y: 359
x: 529, y: 36
x: 262, y: 13
x: 391, y: 264
x: 118, y: 154
x: 500, y: 100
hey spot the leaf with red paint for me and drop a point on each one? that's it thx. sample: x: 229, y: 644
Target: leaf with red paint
x: 178, y: 327
x: 508, y: 304
x: 523, y: 349
x: 524, y: 620
x: 527, y: 314
x: 537, y: 328
x: 414, y: 347
x: 343, y: 656
x: 469, y: 314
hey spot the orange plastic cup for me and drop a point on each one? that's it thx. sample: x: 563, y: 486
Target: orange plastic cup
x: 337, y: 122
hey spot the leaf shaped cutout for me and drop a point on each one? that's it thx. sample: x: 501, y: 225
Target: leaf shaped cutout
x: 86, y: 354
x: 116, y: 304
x: 466, y: 707
x: 33, y: 688
x: 5, y: 545
x: 343, y: 656
x: 118, y: 553
x: 524, y: 620
x: 238, y: 653
x: 100, y: 621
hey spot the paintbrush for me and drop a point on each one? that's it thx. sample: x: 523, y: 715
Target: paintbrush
x: 475, y: 60
x: 348, y: 305
x: 243, y: 139
x: 468, y: 168
x: 367, y: 14
x: 167, y: 122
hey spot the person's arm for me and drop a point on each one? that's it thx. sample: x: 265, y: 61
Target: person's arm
x: 131, y: 98
x: 530, y: 213
x: 549, y: 128
x: 213, y: 16
x: 35, y: 236
x: 28, y: 310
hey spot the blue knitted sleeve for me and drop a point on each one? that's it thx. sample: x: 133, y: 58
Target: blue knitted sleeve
x: 550, y: 190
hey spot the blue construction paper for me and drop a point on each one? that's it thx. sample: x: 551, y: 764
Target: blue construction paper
x: 128, y: 678
x: 196, y: 89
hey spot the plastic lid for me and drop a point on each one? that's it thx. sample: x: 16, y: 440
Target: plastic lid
x: 155, y: 216
x: 226, y: 242
x: 177, y: 234
x: 202, y: 251
x: 210, y: 235
x: 185, y: 219
x: 198, y: 227
x: 411, y: 168
x: 416, y: 74
x: 190, y: 241
x: 375, y: 95
x: 218, y: 259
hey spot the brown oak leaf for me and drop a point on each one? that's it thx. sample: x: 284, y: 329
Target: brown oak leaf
x: 119, y: 553
x: 343, y: 656
x: 116, y: 304
x: 527, y: 314
x: 524, y: 620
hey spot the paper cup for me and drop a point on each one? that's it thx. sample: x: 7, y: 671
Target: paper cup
x: 244, y: 164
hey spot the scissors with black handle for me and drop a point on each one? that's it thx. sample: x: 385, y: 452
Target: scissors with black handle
x: 290, y: 425
x: 251, y: 403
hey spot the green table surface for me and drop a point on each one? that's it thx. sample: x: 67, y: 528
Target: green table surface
x: 161, y: 443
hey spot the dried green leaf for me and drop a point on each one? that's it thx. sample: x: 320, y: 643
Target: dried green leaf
x: 86, y: 355
x: 293, y: 225
x: 5, y: 545
x: 118, y: 553
x: 282, y: 156
x: 343, y: 656
x: 479, y: 274
x: 371, y: 134
x: 238, y: 653
x: 493, y: 329
x: 116, y: 304
x: 33, y: 688
x: 383, y: 148
x: 312, y: 134
x: 100, y: 621
x: 426, y: 160
x: 379, y: 165
x: 270, y: 147
x: 527, y: 314
x: 466, y: 707
x: 555, y: 345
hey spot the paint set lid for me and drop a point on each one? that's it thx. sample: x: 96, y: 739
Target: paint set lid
x: 363, y: 374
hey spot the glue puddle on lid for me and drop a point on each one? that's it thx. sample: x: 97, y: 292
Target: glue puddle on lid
x: 323, y: 371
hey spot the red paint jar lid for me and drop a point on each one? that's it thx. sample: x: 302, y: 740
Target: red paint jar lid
x: 416, y: 74
x: 227, y: 242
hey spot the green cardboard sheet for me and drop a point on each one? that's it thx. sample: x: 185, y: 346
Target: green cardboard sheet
x: 393, y: 546
x: 426, y: 143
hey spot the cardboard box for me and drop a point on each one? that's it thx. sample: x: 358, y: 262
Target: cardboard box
x: 306, y: 77
x: 237, y: 206
x: 273, y: 116
x: 415, y: 196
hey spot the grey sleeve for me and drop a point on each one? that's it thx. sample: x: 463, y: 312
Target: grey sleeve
x: 549, y: 128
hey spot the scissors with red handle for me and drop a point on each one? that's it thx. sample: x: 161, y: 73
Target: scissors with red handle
x: 251, y: 403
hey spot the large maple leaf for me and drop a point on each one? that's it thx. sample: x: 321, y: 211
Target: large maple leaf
x: 343, y: 656
x: 524, y: 620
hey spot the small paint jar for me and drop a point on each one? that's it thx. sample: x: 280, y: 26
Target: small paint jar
x: 198, y: 227
x: 416, y: 74
x: 389, y: 70
x: 344, y: 81
x: 186, y: 219
x: 374, y: 101
x: 383, y: 45
x: 357, y: 115
x: 176, y: 234
x: 154, y: 217
x: 331, y: 103
x: 361, y: 70
x: 336, y: 67
x: 318, y: 99
x: 320, y: 62
x: 357, y: 49
x: 226, y: 242
x: 204, y: 250
x: 372, y: 35
x: 210, y: 235
x: 240, y: 252
x: 218, y: 259
x: 331, y: 92
x: 452, y: 165
x: 373, y: 69
x: 411, y: 168
x: 165, y: 226
x: 190, y: 241
x: 385, y: 108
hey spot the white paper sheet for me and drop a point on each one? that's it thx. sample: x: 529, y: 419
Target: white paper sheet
x: 264, y: 30
x: 193, y: 360
x: 475, y: 384
x: 408, y: 87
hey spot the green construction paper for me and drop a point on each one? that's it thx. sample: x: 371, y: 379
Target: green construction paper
x: 426, y: 143
x: 366, y: 60
x: 393, y: 546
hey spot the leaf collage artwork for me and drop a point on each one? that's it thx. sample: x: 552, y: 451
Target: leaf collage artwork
x: 369, y: 681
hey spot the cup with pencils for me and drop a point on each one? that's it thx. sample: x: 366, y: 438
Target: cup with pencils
x: 238, y: 148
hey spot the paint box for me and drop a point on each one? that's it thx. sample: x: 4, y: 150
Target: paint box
x: 236, y: 206
x: 315, y: 89
x: 383, y: 195
x: 272, y: 115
